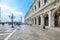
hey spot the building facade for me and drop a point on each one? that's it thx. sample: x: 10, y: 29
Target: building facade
x: 44, y: 12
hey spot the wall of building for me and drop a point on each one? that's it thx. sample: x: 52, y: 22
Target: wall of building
x: 44, y: 8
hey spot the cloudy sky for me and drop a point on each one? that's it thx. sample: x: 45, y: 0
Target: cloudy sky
x: 17, y: 7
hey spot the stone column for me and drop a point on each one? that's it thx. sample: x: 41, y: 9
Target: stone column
x: 34, y: 20
x: 59, y: 21
x: 51, y: 19
x: 42, y: 20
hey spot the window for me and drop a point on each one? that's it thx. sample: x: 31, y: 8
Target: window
x: 39, y: 4
x: 32, y: 10
x: 45, y: 1
x: 35, y: 8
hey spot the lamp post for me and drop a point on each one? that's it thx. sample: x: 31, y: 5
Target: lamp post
x: 0, y: 15
x: 12, y: 17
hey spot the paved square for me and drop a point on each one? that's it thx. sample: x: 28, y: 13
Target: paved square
x: 5, y: 31
x: 26, y: 32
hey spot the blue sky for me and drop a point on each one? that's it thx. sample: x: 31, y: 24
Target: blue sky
x: 17, y: 7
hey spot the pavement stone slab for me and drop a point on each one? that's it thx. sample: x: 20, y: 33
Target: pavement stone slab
x: 27, y: 32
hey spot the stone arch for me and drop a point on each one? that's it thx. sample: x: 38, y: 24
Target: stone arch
x: 46, y: 19
x: 39, y: 20
x: 57, y: 17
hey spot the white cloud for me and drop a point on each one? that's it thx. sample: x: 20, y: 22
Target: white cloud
x: 12, y: 10
x: 7, y: 10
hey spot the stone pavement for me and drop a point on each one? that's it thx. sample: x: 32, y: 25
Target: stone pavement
x: 26, y: 32
x: 5, y: 31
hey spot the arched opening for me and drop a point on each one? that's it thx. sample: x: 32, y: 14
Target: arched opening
x: 39, y: 20
x: 46, y: 19
x: 57, y: 19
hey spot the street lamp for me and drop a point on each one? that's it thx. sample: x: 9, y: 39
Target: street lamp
x: 12, y: 17
x: 0, y: 15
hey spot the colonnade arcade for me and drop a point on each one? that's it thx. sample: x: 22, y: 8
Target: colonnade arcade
x: 57, y: 17
x: 51, y: 19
